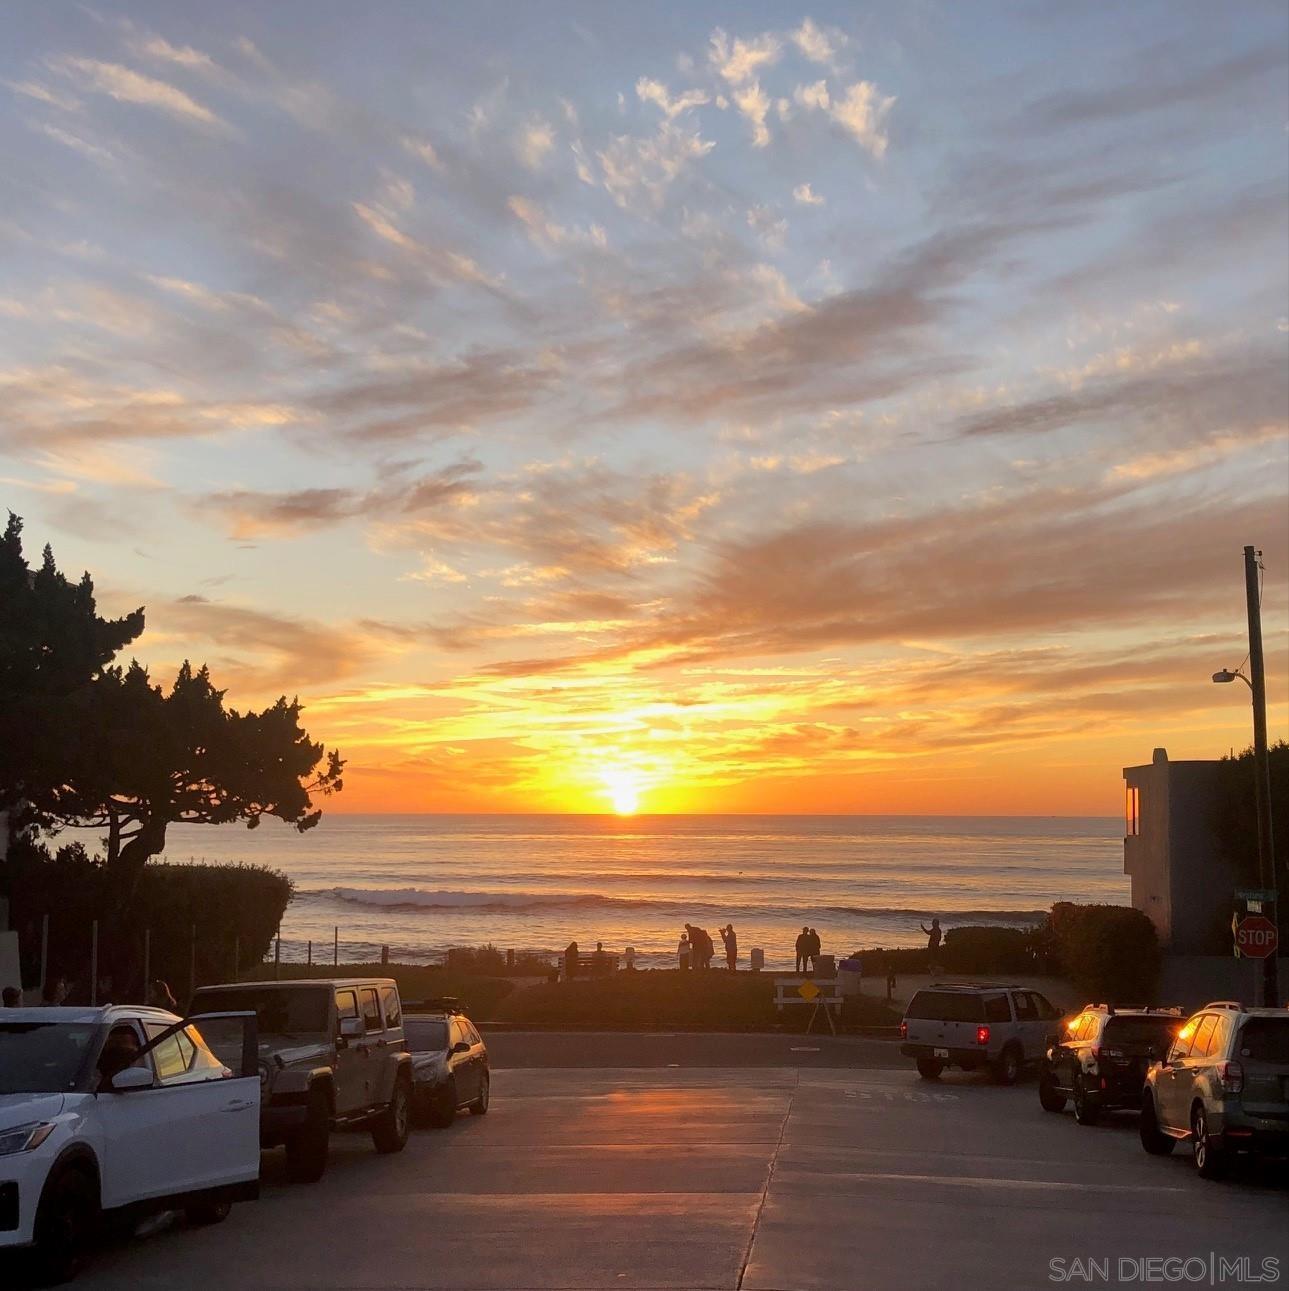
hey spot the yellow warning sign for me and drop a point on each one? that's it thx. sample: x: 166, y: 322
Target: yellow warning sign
x: 807, y: 990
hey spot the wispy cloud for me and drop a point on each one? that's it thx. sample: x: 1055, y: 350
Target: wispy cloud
x: 127, y: 86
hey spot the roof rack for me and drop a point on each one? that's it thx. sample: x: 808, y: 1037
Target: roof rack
x: 1225, y: 1004
x: 975, y: 986
x: 436, y: 1004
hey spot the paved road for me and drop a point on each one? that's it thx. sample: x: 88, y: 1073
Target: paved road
x: 759, y: 1178
x: 687, y: 1049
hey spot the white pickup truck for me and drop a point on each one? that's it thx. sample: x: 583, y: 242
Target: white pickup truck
x: 117, y: 1111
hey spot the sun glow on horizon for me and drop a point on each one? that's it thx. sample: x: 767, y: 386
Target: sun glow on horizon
x: 624, y: 791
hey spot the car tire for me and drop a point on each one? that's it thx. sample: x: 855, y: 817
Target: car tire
x: 67, y: 1222
x: 1049, y: 1097
x: 307, y: 1148
x: 1210, y: 1160
x: 443, y: 1105
x: 480, y: 1105
x: 1007, y: 1068
x: 1153, y: 1139
x: 1086, y: 1111
x: 930, y: 1068
x: 390, y: 1129
x: 202, y: 1214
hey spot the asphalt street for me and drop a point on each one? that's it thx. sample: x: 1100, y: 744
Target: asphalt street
x: 726, y: 1176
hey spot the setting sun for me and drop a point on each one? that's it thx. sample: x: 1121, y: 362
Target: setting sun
x: 623, y: 791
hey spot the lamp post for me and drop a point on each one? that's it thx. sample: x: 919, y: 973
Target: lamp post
x: 1257, y: 684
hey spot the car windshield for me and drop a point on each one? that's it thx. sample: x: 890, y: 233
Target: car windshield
x: 277, y: 1012
x: 1265, y: 1040
x: 946, y: 1006
x: 425, y: 1037
x: 42, y: 1057
x: 1141, y: 1031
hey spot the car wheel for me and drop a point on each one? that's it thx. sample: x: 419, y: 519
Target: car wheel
x: 66, y: 1225
x: 1153, y: 1139
x: 1049, y: 1097
x: 443, y: 1106
x: 390, y: 1129
x: 204, y: 1213
x: 480, y: 1105
x: 1086, y: 1111
x: 930, y: 1068
x: 307, y: 1148
x: 1210, y: 1160
x: 1007, y: 1068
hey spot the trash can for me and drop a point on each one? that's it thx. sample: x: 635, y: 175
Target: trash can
x: 758, y: 959
x: 826, y: 966
x: 850, y: 977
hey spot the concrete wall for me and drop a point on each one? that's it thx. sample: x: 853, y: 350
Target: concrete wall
x: 1193, y: 980
x: 1145, y: 854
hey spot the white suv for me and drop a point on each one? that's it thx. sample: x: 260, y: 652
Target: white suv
x: 970, y: 1025
x: 120, y: 1110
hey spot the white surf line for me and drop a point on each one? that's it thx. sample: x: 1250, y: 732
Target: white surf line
x: 974, y: 1181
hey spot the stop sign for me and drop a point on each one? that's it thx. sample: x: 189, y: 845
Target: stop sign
x: 1256, y: 936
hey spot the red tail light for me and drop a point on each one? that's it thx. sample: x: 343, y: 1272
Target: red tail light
x: 982, y: 1035
x: 1231, y: 1075
x: 904, y: 1030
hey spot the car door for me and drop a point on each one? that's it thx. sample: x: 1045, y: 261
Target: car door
x: 351, y: 1057
x: 1033, y: 1031
x: 464, y: 1071
x: 185, y: 1132
x: 1069, y: 1049
x: 373, y: 1045
x: 1172, y: 1083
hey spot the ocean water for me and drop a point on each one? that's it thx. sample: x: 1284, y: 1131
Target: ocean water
x: 422, y: 884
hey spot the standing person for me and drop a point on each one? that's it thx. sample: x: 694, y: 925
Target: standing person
x: 54, y: 992
x: 803, y: 943
x: 570, y: 961
x: 933, y: 938
x: 814, y: 950
x: 731, y: 947
x: 684, y: 950
x: 12, y: 997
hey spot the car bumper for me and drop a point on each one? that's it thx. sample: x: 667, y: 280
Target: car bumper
x: 22, y: 1176
x: 956, y: 1058
x: 279, y: 1121
x: 1253, y: 1134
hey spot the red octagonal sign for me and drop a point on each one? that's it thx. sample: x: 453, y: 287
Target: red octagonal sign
x: 1256, y: 936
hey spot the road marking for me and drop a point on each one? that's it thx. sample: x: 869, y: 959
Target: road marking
x: 906, y: 1095
x: 803, y: 1048
x: 973, y: 1181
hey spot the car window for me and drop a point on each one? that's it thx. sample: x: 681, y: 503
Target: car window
x: 1265, y: 1039
x: 1158, y: 1031
x: 1046, y: 1009
x: 389, y: 998
x: 1026, y: 1007
x: 426, y: 1037
x: 1201, y: 1046
x: 997, y: 1009
x: 171, y: 1056
x: 120, y: 1050
x: 346, y: 1004
x: 1185, y: 1038
x: 945, y: 1006
x: 371, y: 1009
x: 470, y: 1033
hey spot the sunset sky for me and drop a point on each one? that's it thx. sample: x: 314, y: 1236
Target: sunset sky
x: 698, y: 407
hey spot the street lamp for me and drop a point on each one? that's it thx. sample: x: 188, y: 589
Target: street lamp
x: 1268, y: 979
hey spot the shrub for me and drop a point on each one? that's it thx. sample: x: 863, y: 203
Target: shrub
x: 1109, y: 951
x: 234, y: 908
x: 988, y: 950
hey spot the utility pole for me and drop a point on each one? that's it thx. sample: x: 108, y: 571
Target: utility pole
x: 1262, y: 773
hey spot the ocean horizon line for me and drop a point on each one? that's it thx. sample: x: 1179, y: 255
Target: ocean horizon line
x: 738, y: 815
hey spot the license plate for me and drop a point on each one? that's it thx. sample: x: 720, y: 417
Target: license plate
x: 940, y: 1053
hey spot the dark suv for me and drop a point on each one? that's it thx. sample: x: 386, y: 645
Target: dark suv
x: 1101, y: 1058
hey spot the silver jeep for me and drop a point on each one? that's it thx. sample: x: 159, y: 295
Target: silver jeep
x: 332, y: 1056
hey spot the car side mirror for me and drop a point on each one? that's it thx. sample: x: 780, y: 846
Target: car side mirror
x: 130, y: 1078
x: 461, y: 1046
x: 351, y: 1029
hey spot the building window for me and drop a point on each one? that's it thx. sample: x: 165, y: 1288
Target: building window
x: 1132, y: 812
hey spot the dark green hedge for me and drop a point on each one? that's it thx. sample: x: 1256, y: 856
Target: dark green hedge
x: 1110, y: 952
x: 233, y: 908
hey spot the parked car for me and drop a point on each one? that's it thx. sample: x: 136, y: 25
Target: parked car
x: 970, y: 1025
x: 1101, y: 1059
x: 331, y: 1056
x: 1223, y: 1087
x: 116, y: 1111
x: 449, y: 1065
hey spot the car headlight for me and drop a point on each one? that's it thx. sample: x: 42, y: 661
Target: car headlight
x: 24, y: 1138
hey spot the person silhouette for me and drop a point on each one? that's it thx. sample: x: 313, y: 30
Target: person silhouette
x: 803, y: 950
x: 731, y: 946
x: 933, y: 939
